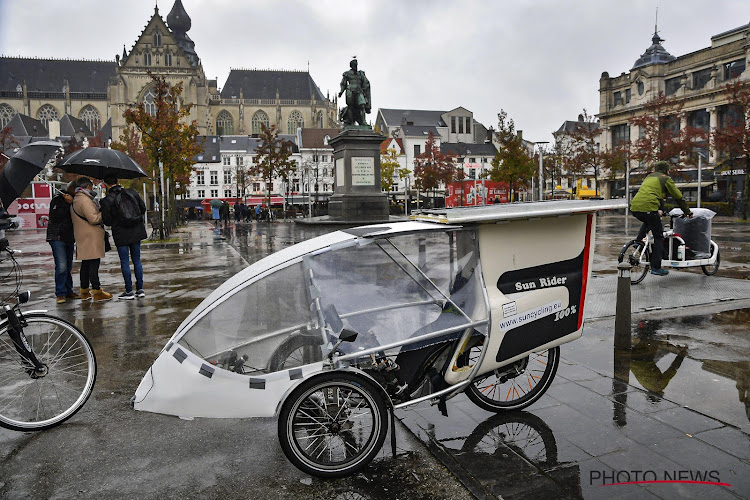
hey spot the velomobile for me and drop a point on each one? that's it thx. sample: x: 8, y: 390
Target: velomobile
x: 332, y: 334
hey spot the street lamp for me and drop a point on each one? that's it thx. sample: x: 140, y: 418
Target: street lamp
x: 541, y: 175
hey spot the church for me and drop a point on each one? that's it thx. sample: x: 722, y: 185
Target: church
x: 37, y: 93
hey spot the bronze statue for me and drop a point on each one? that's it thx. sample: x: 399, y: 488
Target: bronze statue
x: 357, y: 88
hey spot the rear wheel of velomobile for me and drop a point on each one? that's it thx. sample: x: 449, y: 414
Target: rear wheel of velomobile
x: 333, y: 424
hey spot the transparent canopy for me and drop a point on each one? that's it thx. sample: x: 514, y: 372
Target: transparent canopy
x: 397, y: 293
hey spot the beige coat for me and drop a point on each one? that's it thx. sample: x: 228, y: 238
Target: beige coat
x: 89, y: 233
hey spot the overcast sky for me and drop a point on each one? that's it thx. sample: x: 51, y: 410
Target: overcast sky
x: 540, y: 60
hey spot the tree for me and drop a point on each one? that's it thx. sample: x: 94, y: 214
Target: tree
x: 660, y: 137
x: 165, y: 135
x: 274, y: 158
x: 130, y: 144
x: 512, y: 163
x: 8, y: 143
x: 433, y: 167
x: 389, y: 166
x: 732, y: 138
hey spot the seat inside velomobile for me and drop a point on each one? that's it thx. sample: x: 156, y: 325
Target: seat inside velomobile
x: 398, y: 293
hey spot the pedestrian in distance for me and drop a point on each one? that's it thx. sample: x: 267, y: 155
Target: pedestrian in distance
x: 224, y: 212
x: 123, y: 210
x: 62, y: 241
x: 88, y: 230
x: 648, y: 206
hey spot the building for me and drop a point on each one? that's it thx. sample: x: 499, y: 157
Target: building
x: 580, y: 185
x: 98, y: 92
x: 695, y: 79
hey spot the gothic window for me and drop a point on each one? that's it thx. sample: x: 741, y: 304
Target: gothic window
x: 224, y: 124
x: 295, y: 121
x: 149, y: 102
x: 157, y: 39
x: 91, y: 117
x: 168, y: 59
x: 147, y: 58
x: 320, y: 119
x: 6, y: 113
x: 47, y: 114
x: 259, y: 118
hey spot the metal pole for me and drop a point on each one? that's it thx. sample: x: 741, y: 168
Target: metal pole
x: 309, y: 195
x: 145, y: 198
x: 622, y: 307
x: 541, y: 175
x: 161, y: 196
x: 700, y: 167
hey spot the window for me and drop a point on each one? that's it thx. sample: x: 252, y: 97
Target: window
x: 733, y: 69
x: 227, y: 176
x: 671, y: 85
x: 640, y: 87
x: 618, y: 98
x: 315, y: 158
x: 168, y: 59
x: 453, y: 124
x: 295, y: 121
x: 214, y: 177
x: 468, y: 125
x: 319, y: 120
x: 214, y: 193
x: 417, y: 150
x: 240, y: 161
x: 227, y: 193
x: 6, y: 113
x: 472, y: 160
x: 701, y: 78
x: 46, y: 114
x: 149, y: 102
x: 460, y: 124
x: 472, y: 173
x: 620, y: 134
x: 224, y: 123
x: 200, y: 178
x: 147, y: 58
x: 671, y: 125
x: 699, y: 119
x: 157, y: 39
x: 90, y: 116
x: 226, y: 160
x: 201, y: 193
x: 256, y: 186
x: 627, y: 96
x: 730, y: 115
x: 259, y: 118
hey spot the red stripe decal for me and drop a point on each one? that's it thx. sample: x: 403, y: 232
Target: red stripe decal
x: 585, y: 278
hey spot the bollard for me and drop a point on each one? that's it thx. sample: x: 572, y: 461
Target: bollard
x: 622, y: 309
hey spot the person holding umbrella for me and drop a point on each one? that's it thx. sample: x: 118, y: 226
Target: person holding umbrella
x: 61, y: 240
x: 89, y: 236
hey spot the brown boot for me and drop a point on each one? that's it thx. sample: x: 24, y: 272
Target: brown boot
x: 72, y: 295
x: 85, y: 294
x: 99, y: 295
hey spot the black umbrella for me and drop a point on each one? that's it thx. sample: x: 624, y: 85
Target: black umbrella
x: 101, y: 162
x: 23, y: 167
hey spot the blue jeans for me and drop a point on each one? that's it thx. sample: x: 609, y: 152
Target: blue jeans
x: 63, y: 255
x: 134, y: 249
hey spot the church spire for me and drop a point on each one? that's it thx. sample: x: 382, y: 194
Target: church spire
x: 178, y: 19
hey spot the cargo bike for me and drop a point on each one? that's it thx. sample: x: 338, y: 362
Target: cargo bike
x: 333, y: 334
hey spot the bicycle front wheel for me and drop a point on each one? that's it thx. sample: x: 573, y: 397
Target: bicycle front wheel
x: 31, y: 400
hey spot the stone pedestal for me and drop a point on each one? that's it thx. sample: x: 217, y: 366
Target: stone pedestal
x: 357, y: 195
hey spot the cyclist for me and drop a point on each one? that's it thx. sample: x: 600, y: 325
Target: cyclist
x: 647, y: 205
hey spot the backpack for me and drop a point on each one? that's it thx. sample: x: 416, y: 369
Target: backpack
x: 128, y: 208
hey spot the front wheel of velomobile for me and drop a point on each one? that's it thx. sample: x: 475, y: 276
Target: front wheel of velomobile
x: 639, y: 264
x: 517, y: 385
x: 333, y: 425
x: 32, y: 400
x: 713, y: 268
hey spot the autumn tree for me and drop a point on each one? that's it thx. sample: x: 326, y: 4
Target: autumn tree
x: 433, y: 167
x: 274, y: 158
x: 732, y: 137
x: 130, y: 144
x: 166, y: 134
x: 512, y: 163
x: 390, y: 167
x: 8, y: 143
x: 660, y: 136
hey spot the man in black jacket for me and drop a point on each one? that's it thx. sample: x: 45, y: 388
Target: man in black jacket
x: 127, y: 231
x: 61, y: 239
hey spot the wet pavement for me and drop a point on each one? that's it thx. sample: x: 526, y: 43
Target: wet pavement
x: 676, y: 407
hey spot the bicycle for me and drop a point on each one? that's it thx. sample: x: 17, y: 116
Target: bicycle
x: 47, y: 365
x: 677, y: 254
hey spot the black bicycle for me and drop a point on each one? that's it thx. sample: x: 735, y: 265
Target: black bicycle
x: 47, y: 365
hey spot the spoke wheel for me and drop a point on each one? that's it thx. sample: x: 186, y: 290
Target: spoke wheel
x: 34, y: 401
x: 333, y: 425
x: 517, y: 385
x: 297, y: 351
x: 713, y: 268
x: 638, y: 258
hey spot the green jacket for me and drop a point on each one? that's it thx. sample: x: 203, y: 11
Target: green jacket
x: 650, y: 197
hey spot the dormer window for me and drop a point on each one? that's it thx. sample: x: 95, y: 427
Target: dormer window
x: 157, y: 39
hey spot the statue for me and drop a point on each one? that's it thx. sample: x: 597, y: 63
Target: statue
x: 357, y: 89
